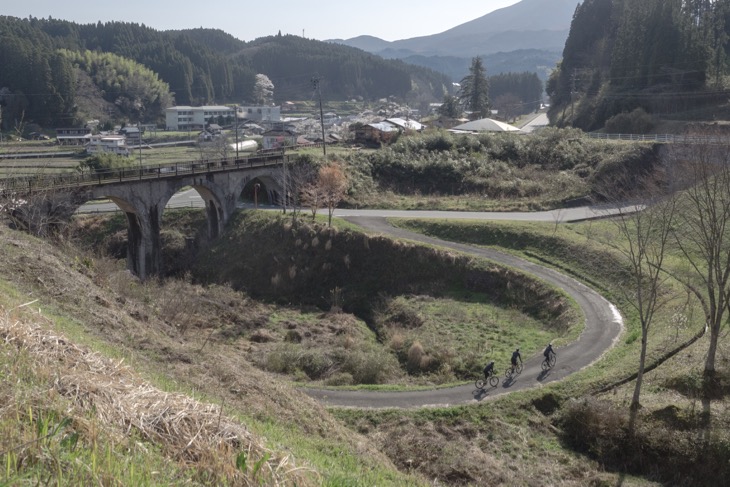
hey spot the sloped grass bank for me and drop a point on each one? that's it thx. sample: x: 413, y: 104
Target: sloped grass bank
x: 99, y: 306
x: 275, y: 257
x: 73, y: 417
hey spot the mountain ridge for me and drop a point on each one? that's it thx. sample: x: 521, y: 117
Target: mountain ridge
x: 530, y: 24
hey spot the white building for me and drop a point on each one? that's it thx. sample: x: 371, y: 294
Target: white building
x: 194, y: 118
x: 114, y: 144
x: 404, y: 124
x: 260, y: 114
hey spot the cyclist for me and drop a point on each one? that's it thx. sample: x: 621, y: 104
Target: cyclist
x: 516, y: 355
x: 548, y: 351
x: 489, y: 370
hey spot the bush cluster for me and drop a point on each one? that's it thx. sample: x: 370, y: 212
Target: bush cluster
x: 653, y: 449
x: 366, y: 364
x: 491, y: 165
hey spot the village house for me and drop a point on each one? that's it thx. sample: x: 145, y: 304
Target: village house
x: 403, y: 124
x: 133, y: 135
x: 108, y: 144
x: 375, y: 132
x: 279, y: 138
x: 73, y: 136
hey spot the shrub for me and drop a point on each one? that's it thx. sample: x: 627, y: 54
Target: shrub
x: 635, y: 122
x: 315, y: 363
x: 415, y: 357
x: 340, y: 379
x: 371, y: 365
x: 105, y: 161
x: 594, y: 427
x: 468, y: 365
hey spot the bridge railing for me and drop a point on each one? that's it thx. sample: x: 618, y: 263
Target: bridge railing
x: 156, y: 171
x: 663, y: 138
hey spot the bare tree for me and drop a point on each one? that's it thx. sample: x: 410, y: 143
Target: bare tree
x: 218, y: 148
x: 703, y: 229
x: 312, y: 197
x: 332, y: 183
x: 19, y: 127
x: 294, y: 179
x: 645, y: 229
x: 42, y: 213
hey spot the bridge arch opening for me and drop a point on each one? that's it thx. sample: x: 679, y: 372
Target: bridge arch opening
x: 202, y: 196
x: 261, y: 191
x: 219, y: 190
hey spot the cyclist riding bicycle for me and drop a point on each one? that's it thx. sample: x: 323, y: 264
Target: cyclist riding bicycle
x: 489, y: 370
x: 516, y: 355
x: 548, y: 351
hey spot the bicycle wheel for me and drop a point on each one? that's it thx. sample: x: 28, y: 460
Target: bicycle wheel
x: 552, y: 359
x: 479, y: 383
x: 508, y: 373
x: 545, y: 364
x: 518, y: 369
x: 494, y: 381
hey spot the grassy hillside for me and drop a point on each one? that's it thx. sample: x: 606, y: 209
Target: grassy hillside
x: 166, y: 332
x: 180, y: 337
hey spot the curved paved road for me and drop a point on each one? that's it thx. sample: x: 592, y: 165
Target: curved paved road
x: 603, y: 322
x: 602, y: 328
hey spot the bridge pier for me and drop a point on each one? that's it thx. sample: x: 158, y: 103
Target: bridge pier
x: 144, y: 254
x: 143, y: 202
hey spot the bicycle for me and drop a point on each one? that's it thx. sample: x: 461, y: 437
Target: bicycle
x: 549, y: 361
x: 513, y: 371
x: 493, y: 381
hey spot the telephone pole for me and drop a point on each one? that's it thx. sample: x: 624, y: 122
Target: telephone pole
x: 316, y: 86
x: 235, y: 124
x: 139, y: 132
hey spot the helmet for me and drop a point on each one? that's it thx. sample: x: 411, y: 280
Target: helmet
x: 517, y: 350
x: 491, y: 363
x: 550, y: 344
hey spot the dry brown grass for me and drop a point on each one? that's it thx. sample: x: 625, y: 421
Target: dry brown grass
x: 195, y: 434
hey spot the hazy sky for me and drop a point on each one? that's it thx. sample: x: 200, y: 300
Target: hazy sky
x: 250, y: 19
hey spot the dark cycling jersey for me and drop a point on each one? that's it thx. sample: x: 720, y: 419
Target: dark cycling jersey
x: 516, y: 355
x: 488, y: 369
x: 548, y: 351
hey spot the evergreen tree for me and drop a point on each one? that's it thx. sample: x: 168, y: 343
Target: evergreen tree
x: 450, y: 107
x: 474, y: 92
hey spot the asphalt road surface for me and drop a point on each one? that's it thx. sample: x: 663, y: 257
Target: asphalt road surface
x: 603, y: 325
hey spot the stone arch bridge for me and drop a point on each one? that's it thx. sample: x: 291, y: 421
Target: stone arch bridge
x: 143, y: 192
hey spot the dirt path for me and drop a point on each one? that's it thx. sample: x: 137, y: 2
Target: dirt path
x: 602, y: 328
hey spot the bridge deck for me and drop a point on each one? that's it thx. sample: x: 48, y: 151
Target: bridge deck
x: 117, y: 175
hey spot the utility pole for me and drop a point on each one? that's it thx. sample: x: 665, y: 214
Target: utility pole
x: 235, y: 124
x: 316, y: 85
x: 139, y: 131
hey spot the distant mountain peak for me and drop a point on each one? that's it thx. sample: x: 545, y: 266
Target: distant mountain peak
x: 529, y: 24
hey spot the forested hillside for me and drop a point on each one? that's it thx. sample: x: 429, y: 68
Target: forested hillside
x: 668, y: 58
x: 38, y: 81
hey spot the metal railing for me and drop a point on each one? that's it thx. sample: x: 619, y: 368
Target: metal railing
x: 137, y: 173
x: 663, y: 138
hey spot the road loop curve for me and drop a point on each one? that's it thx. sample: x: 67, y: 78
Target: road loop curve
x: 603, y: 326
